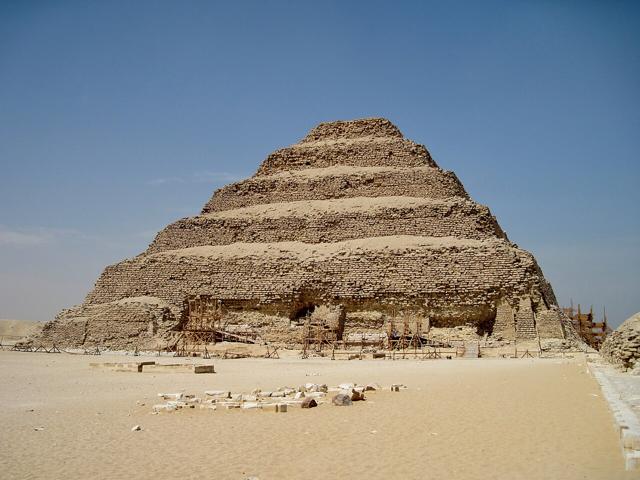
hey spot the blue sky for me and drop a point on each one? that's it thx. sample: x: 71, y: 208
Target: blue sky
x: 117, y: 118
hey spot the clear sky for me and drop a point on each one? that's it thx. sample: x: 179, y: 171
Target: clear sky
x: 117, y: 118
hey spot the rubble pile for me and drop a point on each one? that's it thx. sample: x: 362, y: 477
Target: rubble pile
x: 309, y: 395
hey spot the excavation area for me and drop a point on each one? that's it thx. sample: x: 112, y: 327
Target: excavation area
x: 531, y: 418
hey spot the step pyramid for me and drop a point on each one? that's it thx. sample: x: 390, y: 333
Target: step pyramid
x: 354, y: 217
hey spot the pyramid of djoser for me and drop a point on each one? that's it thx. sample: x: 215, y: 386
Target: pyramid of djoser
x: 355, y: 220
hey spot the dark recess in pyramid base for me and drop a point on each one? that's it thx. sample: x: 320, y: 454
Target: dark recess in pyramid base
x: 353, y: 228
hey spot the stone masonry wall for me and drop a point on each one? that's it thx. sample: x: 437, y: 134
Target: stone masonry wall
x: 461, y: 219
x: 505, y: 324
x: 342, y: 182
x: 450, y: 278
x: 622, y: 346
x: 549, y: 323
x: 525, y: 320
x: 393, y: 152
x: 124, y: 323
x: 365, y: 127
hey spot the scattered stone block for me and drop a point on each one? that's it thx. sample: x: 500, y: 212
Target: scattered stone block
x: 177, y: 368
x: 218, y: 393
x: 356, y: 395
x: 163, y: 408
x: 171, y: 396
x: 342, y: 400
x: 203, y: 369
x: 122, y: 366
x: 316, y: 394
x: 309, y: 403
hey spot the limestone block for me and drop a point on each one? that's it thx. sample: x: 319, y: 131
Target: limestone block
x: 309, y: 403
x: 341, y: 400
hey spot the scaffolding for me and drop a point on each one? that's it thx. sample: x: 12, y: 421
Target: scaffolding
x: 403, y: 338
x: 204, y: 326
x: 591, y: 331
x: 316, y: 337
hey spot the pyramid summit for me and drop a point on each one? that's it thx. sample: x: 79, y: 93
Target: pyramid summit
x: 355, y: 220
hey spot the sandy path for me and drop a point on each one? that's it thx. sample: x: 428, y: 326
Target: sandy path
x: 460, y: 419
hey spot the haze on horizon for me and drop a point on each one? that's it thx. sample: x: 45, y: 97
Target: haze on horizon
x: 121, y: 117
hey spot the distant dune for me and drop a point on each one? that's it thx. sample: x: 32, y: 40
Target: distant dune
x: 18, y: 328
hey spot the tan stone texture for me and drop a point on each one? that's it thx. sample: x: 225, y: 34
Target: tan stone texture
x: 354, y: 219
x: 622, y: 346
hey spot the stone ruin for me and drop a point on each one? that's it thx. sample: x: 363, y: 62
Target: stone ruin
x: 305, y: 396
x: 622, y: 346
x: 355, y: 224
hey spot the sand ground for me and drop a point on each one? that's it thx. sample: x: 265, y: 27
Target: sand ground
x: 459, y: 419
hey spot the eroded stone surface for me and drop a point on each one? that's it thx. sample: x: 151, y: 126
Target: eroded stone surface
x: 354, y: 221
x: 622, y: 346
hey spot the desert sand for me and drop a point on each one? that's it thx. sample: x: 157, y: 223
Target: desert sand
x: 15, y: 329
x: 458, y: 419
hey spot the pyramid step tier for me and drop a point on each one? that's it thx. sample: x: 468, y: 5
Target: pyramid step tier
x: 337, y: 182
x: 319, y: 221
x: 450, y: 279
x: 364, y: 152
x: 352, y: 129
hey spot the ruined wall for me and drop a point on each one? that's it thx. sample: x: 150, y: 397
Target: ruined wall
x: 622, y: 346
x: 337, y: 182
x: 273, y: 328
x: 291, y: 222
x: 549, y: 323
x: 522, y: 322
x: 123, y: 323
x: 525, y: 321
x: 505, y: 323
x: 350, y: 129
x: 453, y: 276
x: 372, y: 153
